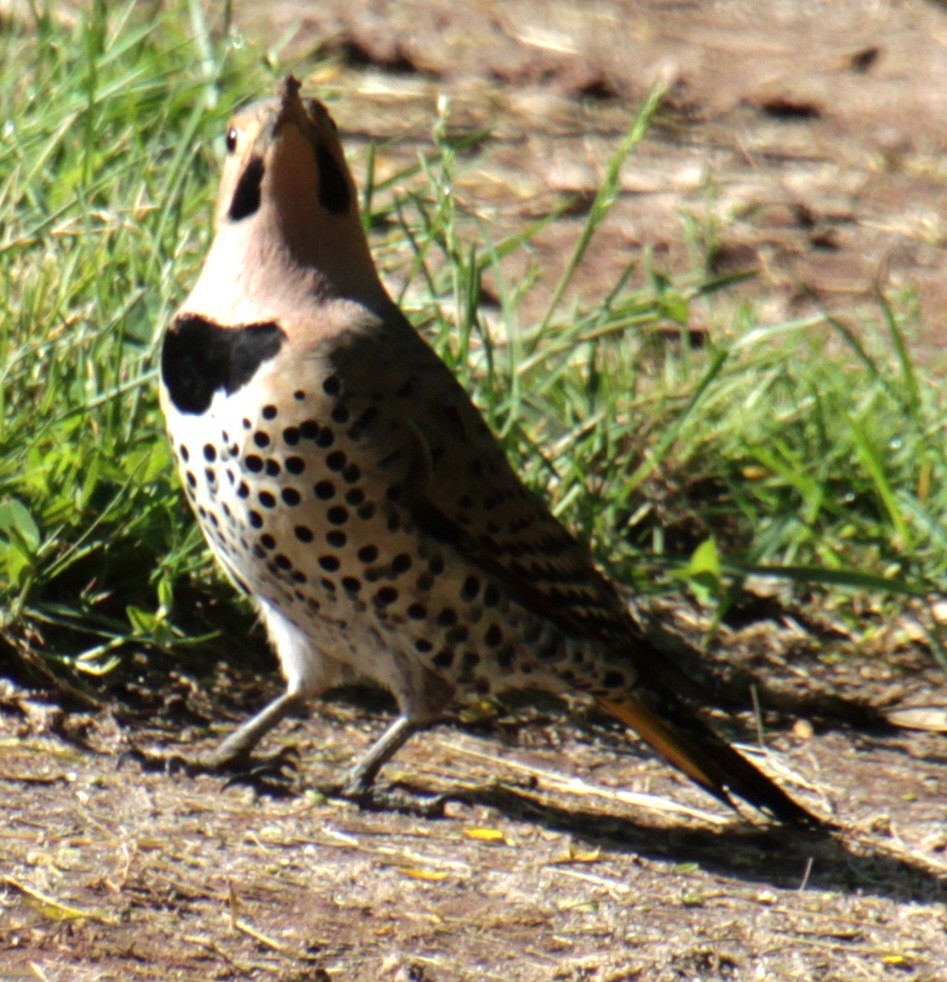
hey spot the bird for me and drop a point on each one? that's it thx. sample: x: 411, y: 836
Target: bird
x: 349, y: 487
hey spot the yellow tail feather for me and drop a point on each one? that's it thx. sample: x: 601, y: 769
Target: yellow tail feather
x: 707, y: 760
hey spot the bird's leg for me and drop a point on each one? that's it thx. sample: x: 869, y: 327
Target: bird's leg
x: 357, y: 783
x: 234, y: 755
x: 359, y: 778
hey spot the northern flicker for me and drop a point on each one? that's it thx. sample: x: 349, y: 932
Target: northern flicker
x: 349, y: 487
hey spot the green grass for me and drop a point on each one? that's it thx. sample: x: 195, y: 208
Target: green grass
x: 814, y: 451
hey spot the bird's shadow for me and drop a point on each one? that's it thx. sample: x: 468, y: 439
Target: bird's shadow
x: 780, y: 856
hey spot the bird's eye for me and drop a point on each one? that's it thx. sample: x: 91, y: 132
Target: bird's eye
x: 231, y: 140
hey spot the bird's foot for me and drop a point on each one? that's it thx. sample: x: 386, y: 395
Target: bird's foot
x: 397, y: 799
x: 272, y: 774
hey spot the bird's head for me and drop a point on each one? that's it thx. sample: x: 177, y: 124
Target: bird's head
x: 284, y: 154
x: 287, y: 211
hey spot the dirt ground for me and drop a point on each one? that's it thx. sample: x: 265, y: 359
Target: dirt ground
x: 804, y: 138
x: 574, y: 855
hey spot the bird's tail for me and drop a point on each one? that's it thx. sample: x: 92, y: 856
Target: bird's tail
x: 692, y: 747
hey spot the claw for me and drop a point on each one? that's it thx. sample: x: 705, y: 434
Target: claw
x: 153, y: 763
x: 271, y: 774
x: 392, y: 799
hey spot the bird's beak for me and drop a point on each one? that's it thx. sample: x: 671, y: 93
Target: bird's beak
x: 290, y: 111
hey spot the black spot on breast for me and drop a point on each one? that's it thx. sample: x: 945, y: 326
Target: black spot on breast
x: 470, y: 589
x: 199, y: 357
x: 447, y: 617
x: 324, y: 490
x: 368, y: 554
x: 333, y: 188
x: 335, y: 461
x: 246, y: 199
x: 444, y: 658
x: 401, y: 563
x: 386, y: 596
